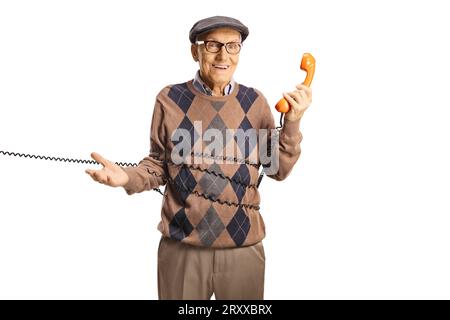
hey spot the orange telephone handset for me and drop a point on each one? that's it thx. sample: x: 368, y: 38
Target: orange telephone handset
x: 308, y: 64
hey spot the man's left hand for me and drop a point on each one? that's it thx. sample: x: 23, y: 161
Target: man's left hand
x: 299, y: 100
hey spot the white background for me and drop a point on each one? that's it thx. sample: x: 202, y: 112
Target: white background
x: 363, y: 215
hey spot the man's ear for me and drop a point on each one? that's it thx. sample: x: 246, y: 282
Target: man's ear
x: 194, y: 52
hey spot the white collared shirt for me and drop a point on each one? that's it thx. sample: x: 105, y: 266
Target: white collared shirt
x: 201, y: 86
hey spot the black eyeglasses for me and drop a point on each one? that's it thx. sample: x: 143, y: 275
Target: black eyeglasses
x: 216, y: 46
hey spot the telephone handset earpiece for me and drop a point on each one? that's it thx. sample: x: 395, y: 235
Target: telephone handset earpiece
x: 308, y: 64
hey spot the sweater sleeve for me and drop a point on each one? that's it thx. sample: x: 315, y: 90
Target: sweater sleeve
x: 289, y: 142
x: 149, y: 173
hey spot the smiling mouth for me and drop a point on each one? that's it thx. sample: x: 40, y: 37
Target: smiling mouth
x: 220, y: 66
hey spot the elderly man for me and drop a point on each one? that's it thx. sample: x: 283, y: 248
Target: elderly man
x: 211, y: 226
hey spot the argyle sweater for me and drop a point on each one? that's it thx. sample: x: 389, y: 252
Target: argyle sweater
x: 211, y: 199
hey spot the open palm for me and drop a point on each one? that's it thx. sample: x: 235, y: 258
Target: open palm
x: 111, y: 174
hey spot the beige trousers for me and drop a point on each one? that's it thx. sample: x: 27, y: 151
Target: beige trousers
x: 187, y: 272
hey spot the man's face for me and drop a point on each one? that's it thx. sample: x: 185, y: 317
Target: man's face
x: 217, y: 69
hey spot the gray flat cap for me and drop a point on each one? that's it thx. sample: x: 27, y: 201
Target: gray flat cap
x: 215, y: 22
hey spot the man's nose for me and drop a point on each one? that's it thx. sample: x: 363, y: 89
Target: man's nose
x: 222, y: 54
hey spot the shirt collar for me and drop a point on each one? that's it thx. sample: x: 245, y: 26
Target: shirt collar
x: 201, y: 86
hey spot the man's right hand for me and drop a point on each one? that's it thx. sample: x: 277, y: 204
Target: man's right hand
x: 111, y: 174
